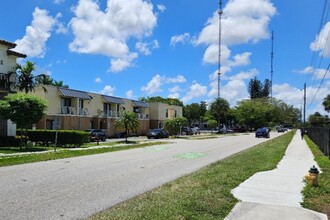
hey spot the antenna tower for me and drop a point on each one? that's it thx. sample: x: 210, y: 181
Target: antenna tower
x: 219, y: 52
x: 271, y: 67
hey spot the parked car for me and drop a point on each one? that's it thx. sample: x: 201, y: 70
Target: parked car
x: 96, y: 135
x: 262, y: 132
x: 186, y: 131
x: 157, y: 133
x: 225, y: 131
x: 196, y: 130
x: 281, y: 129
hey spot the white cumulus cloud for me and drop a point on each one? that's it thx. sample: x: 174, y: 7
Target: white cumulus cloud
x: 154, y: 85
x: 322, y: 41
x: 33, y: 43
x: 195, y: 91
x: 108, y: 90
x: 107, y: 32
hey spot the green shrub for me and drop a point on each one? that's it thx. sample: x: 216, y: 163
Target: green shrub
x: 65, y: 138
x: 6, y: 141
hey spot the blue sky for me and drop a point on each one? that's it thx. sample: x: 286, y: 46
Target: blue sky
x: 139, y: 48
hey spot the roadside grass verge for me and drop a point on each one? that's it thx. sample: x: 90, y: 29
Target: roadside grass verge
x: 66, y: 153
x: 318, y: 198
x: 204, y: 194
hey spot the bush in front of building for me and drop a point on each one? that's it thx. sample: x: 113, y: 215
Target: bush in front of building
x: 65, y: 138
x: 9, y: 141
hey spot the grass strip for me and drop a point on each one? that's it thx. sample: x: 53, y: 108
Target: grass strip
x: 31, y: 158
x: 318, y: 198
x: 204, y: 194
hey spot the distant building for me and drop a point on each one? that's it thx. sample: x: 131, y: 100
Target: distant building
x: 71, y: 109
x: 8, y: 62
x: 159, y: 112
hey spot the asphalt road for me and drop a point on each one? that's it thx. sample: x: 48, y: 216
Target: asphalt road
x: 76, y: 188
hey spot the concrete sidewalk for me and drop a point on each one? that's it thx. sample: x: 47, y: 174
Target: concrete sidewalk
x: 276, y: 194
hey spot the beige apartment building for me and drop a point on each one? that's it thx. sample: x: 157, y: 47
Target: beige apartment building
x: 159, y: 112
x: 79, y: 110
x: 8, y: 62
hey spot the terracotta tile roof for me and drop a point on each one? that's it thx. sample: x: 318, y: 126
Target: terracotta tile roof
x: 16, y: 54
x: 7, y: 43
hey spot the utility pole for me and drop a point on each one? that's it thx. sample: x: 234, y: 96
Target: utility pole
x: 219, y: 44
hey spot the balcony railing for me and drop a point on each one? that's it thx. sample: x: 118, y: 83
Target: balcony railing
x: 112, y: 114
x: 142, y: 116
x: 6, y: 82
x: 71, y: 110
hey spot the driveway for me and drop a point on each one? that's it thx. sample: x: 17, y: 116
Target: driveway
x: 76, y: 188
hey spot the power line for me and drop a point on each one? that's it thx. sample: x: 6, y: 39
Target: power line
x: 325, y: 73
x: 324, y: 15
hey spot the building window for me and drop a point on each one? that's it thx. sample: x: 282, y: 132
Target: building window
x: 166, y: 114
x: 66, y: 102
x: 175, y: 113
x: 136, y: 109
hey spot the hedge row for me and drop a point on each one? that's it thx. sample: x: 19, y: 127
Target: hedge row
x: 6, y: 141
x: 64, y: 137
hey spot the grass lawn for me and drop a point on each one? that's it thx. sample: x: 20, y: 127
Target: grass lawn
x: 204, y: 194
x: 318, y: 198
x: 64, y: 152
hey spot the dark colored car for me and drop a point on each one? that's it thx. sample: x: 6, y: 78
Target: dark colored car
x: 157, y: 133
x: 262, y: 132
x: 196, y: 130
x: 96, y: 135
x: 186, y: 131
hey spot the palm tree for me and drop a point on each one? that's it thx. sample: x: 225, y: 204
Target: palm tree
x: 60, y: 84
x: 25, y: 80
x: 128, y: 121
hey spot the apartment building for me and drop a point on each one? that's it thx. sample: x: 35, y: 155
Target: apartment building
x: 159, y: 112
x: 8, y: 61
x: 79, y: 110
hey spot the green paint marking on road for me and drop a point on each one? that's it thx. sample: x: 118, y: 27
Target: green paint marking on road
x: 157, y: 148
x: 190, y: 155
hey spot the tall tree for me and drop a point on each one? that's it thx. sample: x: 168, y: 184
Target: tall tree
x: 25, y: 80
x: 254, y: 113
x: 266, y: 88
x: 219, y: 108
x: 194, y: 112
x: 259, y: 90
x: 318, y: 120
x: 170, y: 101
x: 128, y: 121
x: 255, y: 88
x: 24, y: 110
x: 47, y: 80
x: 326, y: 103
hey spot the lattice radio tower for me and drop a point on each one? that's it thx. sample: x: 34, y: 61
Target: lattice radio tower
x: 219, y: 52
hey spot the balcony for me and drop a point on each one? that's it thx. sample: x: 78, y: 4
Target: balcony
x: 71, y: 110
x: 111, y: 114
x: 6, y: 81
x: 142, y: 116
